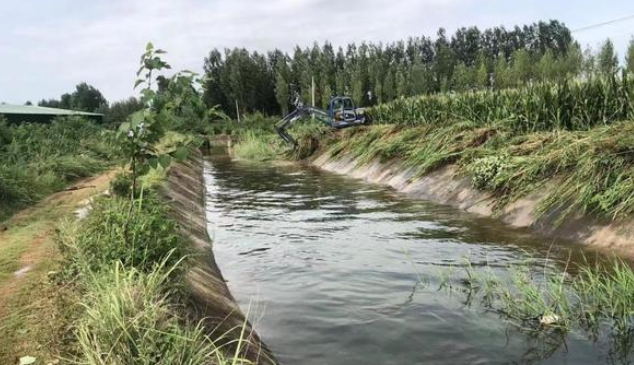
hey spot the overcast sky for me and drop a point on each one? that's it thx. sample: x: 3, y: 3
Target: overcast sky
x: 47, y: 47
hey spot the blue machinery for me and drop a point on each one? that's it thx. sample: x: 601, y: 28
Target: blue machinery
x: 341, y: 113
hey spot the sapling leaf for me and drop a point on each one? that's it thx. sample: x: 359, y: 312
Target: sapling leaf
x: 124, y: 127
x: 181, y: 153
x: 153, y: 162
x: 165, y: 161
x: 137, y: 118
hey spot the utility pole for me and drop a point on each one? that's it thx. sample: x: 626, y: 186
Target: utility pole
x: 312, y: 88
x: 237, y: 111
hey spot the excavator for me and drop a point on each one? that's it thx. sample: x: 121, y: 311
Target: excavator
x: 341, y: 113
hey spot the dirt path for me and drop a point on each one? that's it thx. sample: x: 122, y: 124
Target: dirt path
x: 27, y: 255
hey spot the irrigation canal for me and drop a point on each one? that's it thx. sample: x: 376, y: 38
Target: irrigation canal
x: 334, y: 271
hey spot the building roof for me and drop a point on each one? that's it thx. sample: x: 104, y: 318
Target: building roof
x: 39, y: 110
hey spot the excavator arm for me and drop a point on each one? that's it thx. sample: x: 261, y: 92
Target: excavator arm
x: 301, y: 112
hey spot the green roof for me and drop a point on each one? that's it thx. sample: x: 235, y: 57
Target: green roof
x: 39, y: 110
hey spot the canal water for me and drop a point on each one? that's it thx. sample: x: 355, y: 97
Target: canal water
x: 336, y: 271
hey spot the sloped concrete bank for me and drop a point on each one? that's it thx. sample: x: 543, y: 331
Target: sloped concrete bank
x: 211, y: 300
x: 447, y: 186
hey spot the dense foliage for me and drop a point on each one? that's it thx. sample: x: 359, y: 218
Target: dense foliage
x: 38, y: 159
x: 117, y: 112
x: 244, y: 81
x: 85, y: 97
x: 541, y: 106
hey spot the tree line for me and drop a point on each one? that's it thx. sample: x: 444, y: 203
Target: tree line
x: 87, y: 98
x: 242, y: 81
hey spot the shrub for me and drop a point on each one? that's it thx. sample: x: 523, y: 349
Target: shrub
x: 138, y: 233
x: 121, y: 184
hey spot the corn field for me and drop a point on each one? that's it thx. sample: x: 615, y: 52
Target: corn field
x: 570, y: 105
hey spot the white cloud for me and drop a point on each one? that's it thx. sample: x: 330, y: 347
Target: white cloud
x: 48, y: 47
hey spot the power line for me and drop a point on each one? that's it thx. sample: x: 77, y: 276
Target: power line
x: 598, y: 25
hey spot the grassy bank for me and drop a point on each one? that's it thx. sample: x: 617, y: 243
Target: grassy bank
x: 126, y: 262
x: 110, y: 287
x: 39, y: 159
x: 593, y: 169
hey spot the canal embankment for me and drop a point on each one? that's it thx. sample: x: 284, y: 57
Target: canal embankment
x: 562, y: 188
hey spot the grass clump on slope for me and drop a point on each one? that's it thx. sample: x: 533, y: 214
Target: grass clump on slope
x: 127, y: 261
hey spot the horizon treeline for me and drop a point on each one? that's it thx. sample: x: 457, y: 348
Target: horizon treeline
x: 373, y: 73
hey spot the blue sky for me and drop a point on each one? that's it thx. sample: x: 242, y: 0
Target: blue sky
x: 47, y: 47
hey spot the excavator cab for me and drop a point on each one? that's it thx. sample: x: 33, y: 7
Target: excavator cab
x: 343, y: 113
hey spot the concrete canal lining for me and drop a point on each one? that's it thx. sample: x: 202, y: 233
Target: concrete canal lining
x: 447, y: 186
x: 211, y: 301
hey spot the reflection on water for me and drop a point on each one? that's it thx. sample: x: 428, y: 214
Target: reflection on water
x: 331, y: 270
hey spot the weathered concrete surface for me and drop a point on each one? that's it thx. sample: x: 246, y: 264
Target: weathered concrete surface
x: 211, y: 300
x: 447, y: 186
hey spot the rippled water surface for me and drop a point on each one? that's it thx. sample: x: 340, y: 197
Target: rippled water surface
x: 330, y: 268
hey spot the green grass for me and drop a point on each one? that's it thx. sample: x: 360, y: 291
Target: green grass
x: 596, y: 298
x: 129, y: 317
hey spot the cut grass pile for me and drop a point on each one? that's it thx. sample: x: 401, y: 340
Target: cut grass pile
x: 257, y: 140
x: 257, y: 147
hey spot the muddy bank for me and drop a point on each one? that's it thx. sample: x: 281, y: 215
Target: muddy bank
x: 211, y: 300
x: 447, y: 186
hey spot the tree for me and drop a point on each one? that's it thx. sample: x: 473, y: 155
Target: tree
x: 572, y: 64
x: 546, y: 68
x: 466, y: 44
x: 522, y: 66
x: 482, y: 72
x: 501, y: 74
x: 282, y: 81
x: 463, y: 77
x: 589, y: 63
x: 119, y: 111
x: 28, y: 102
x: 607, y: 59
x: 629, y: 58
x: 419, y: 65
x: 86, y: 98
x: 445, y: 59
x: 139, y: 136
